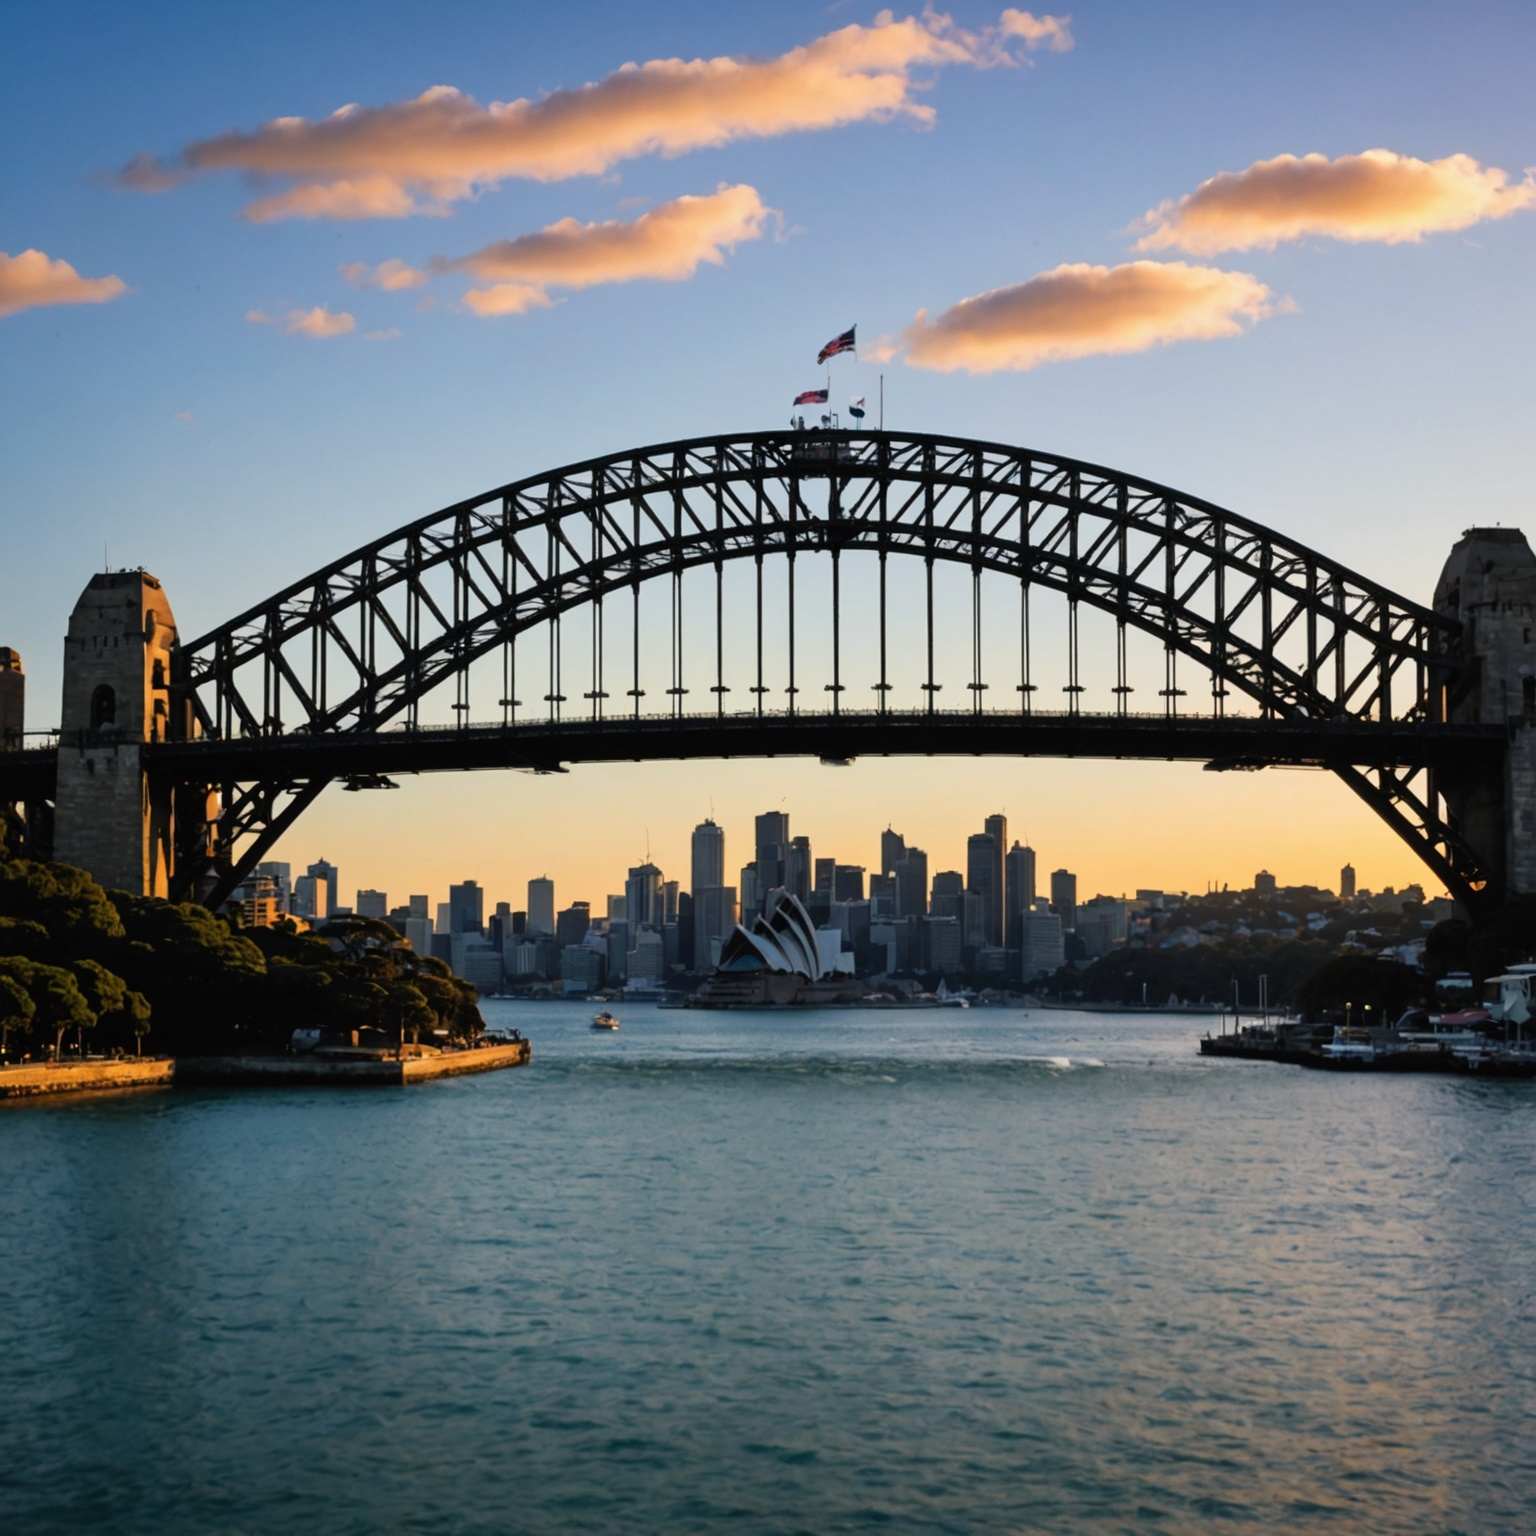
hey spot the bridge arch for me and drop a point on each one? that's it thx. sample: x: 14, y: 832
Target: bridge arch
x: 363, y: 641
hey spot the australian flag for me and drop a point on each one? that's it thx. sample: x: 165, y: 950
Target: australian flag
x: 843, y: 343
x: 811, y: 397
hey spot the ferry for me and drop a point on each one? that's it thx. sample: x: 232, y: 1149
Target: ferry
x: 604, y: 1020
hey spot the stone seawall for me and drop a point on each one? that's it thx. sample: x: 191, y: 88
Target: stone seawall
x: 279, y: 1071
x: 46, y: 1077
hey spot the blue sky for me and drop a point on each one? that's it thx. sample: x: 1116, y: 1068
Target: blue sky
x: 1389, y: 410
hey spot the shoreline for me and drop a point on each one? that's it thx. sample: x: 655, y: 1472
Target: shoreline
x: 70, y: 1079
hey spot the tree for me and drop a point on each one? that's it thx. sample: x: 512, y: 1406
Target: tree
x: 114, y: 1003
x: 409, y: 1005
x: 1364, y: 982
x: 56, y: 997
x: 16, y: 1009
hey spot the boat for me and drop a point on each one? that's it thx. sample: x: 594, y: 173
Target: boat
x: 604, y: 1020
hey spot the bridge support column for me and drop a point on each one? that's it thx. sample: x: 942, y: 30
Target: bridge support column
x: 1489, y: 586
x: 112, y: 817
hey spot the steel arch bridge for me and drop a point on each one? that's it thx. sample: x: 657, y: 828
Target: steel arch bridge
x: 326, y: 680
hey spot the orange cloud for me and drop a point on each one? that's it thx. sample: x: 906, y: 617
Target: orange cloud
x: 1053, y: 32
x: 418, y: 155
x: 392, y: 276
x: 34, y: 280
x: 1377, y: 195
x: 507, y: 299
x: 1079, y: 310
x: 319, y: 323
x: 667, y: 244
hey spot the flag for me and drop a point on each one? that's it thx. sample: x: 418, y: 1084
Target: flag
x: 843, y: 343
x: 856, y: 408
x: 810, y: 397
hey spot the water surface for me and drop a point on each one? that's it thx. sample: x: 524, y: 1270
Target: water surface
x: 939, y: 1271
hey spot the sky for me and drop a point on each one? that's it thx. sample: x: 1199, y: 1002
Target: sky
x: 1277, y: 256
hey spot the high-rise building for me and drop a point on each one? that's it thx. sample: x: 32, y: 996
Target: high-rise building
x: 1102, y: 924
x: 642, y: 897
x: 973, y: 920
x: 942, y: 945
x: 1064, y: 897
x: 797, y: 868
x: 893, y: 847
x: 1347, y: 883
x: 442, y: 923
x: 571, y: 925
x: 752, y: 893
x: 419, y: 907
x: 911, y: 875
x: 981, y: 872
x: 321, y: 870
x: 466, y: 908
x: 996, y: 827
x: 372, y: 904
x: 847, y: 882
x: 1018, y: 892
x: 418, y: 934
x: 770, y: 848
x: 714, y: 915
x: 281, y: 875
x: 882, y: 897
x: 1264, y: 883
x: 708, y: 865
x: 312, y: 898
x: 669, y: 895
x: 948, y: 887
x: 825, y: 882
x: 615, y: 909
x: 541, y: 907
x: 1043, y: 950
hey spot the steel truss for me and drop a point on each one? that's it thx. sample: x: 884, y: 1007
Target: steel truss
x: 362, y: 642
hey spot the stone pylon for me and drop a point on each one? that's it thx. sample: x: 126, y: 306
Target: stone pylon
x: 112, y: 818
x: 1489, y: 585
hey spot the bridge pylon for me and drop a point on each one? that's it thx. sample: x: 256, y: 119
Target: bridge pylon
x: 113, y: 817
x: 1488, y: 586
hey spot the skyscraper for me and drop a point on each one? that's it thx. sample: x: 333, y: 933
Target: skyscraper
x: 892, y: 847
x: 541, y: 907
x: 771, y: 845
x: 996, y: 827
x: 642, y: 898
x: 714, y: 915
x: 797, y: 868
x: 321, y: 870
x: 466, y: 908
x: 372, y: 904
x: 911, y: 874
x: 708, y: 868
x: 948, y: 887
x: 1064, y: 897
x: 1347, y: 883
x: 1018, y: 892
x: 981, y: 862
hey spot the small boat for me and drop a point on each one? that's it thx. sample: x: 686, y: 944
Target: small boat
x: 604, y: 1020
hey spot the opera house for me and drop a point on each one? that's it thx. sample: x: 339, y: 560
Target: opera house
x: 780, y: 961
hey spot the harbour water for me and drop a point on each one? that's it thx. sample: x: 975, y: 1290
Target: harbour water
x: 936, y: 1271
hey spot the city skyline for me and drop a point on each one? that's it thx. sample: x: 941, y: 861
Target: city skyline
x: 554, y: 896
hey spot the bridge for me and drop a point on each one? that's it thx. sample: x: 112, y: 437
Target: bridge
x: 818, y: 591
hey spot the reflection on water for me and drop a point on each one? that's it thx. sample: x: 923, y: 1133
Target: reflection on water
x: 942, y: 1271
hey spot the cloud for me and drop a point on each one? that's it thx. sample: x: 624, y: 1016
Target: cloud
x: 392, y: 276
x: 667, y: 244
x: 34, y: 280
x: 507, y: 299
x: 1079, y: 310
x: 185, y: 418
x: 1053, y: 32
x: 319, y: 323
x: 1377, y: 195
x: 391, y: 333
x: 421, y: 154
x: 257, y: 317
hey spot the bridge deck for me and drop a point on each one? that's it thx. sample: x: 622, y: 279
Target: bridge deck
x: 542, y: 745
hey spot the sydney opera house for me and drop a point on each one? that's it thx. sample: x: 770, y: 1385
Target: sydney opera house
x: 779, y: 961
